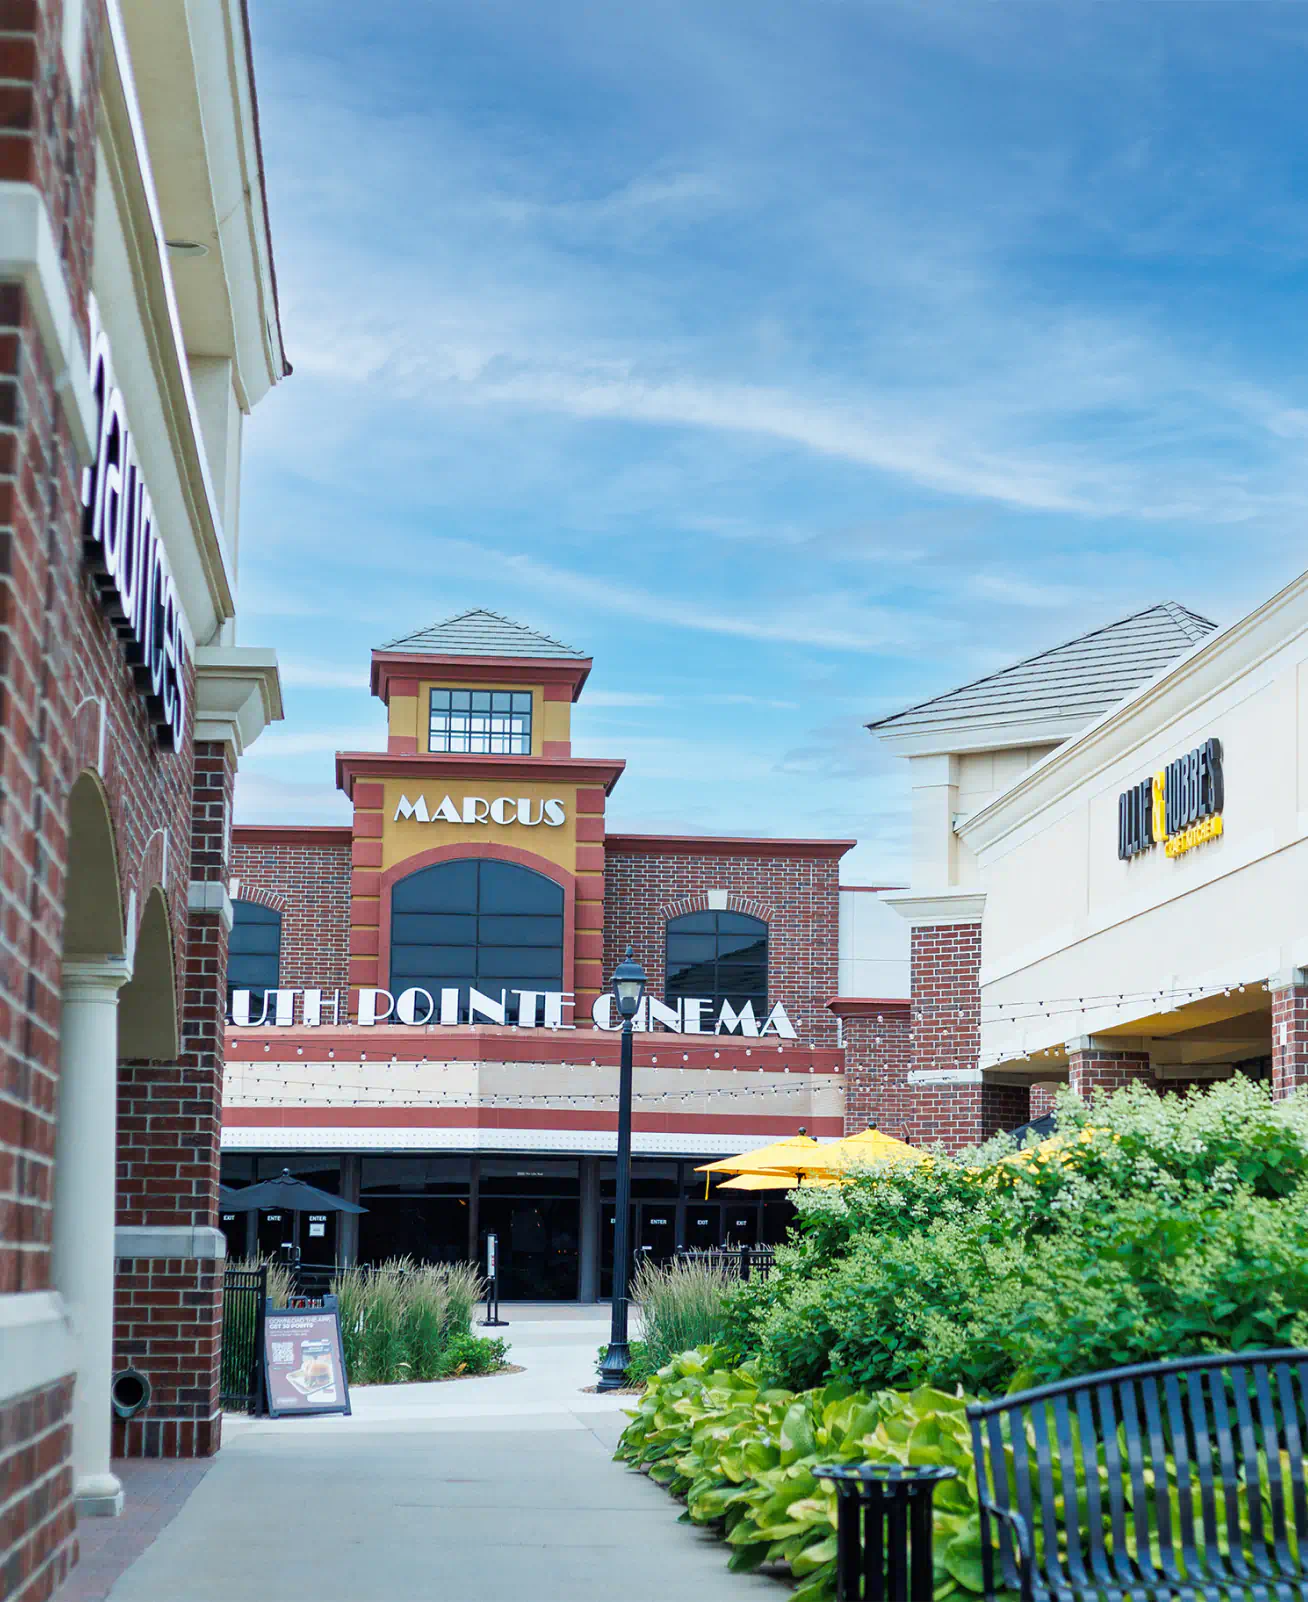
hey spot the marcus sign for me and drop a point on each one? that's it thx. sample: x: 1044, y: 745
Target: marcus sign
x: 477, y: 809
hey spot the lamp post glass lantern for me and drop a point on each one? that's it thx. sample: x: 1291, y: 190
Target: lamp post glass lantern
x: 628, y: 988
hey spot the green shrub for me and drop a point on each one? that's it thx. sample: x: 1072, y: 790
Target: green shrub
x: 1164, y: 1227
x: 473, y: 1354
x: 681, y: 1305
x: 743, y: 1456
x: 385, y: 1351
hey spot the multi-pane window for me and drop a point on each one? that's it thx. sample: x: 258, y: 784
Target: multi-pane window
x: 481, y: 722
x: 718, y: 956
x: 254, y: 950
x: 477, y: 922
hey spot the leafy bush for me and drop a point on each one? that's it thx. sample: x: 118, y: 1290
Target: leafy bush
x: 681, y: 1305
x: 473, y: 1354
x: 1162, y: 1227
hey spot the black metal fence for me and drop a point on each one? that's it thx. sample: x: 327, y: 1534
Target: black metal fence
x: 746, y: 1262
x: 245, y: 1292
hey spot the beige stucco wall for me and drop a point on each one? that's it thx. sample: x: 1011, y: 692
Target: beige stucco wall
x: 1065, y: 919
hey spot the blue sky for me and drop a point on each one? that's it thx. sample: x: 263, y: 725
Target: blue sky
x: 795, y: 360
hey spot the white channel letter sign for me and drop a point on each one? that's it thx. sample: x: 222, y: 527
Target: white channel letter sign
x: 123, y: 549
x: 477, y: 809
x: 537, y: 1009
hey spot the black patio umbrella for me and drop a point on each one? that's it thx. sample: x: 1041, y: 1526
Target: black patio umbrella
x: 287, y: 1194
x: 227, y: 1199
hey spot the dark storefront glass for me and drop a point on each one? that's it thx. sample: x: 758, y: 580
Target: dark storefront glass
x: 430, y: 1229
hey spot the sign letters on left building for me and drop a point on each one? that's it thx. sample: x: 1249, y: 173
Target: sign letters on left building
x: 126, y: 555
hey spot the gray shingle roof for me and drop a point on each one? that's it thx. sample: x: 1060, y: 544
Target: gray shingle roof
x: 480, y: 633
x: 1079, y: 679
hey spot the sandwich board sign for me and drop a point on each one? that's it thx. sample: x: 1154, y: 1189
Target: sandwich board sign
x: 303, y: 1365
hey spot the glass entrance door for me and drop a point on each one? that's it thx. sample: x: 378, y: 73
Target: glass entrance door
x: 538, y: 1241
x: 657, y: 1230
x: 703, y: 1225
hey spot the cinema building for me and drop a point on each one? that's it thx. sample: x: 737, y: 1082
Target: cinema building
x: 140, y: 328
x: 420, y: 1016
x: 1109, y: 873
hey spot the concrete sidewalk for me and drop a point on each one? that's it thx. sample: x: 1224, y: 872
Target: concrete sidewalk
x: 480, y: 1490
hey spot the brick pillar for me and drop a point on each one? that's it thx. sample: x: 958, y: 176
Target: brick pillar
x: 876, y: 1036
x: 957, y: 1109
x: 1289, y: 1031
x: 1093, y: 1069
x: 169, y: 1284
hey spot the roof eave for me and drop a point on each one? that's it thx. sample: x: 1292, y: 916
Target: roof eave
x: 390, y: 666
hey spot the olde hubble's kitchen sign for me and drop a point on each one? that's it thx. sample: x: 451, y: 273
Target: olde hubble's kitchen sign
x: 477, y: 809
x: 536, y: 1009
x: 1179, y: 807
x: 124, y: 551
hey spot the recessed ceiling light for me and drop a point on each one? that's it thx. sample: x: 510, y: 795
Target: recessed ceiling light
x: 187, y: 247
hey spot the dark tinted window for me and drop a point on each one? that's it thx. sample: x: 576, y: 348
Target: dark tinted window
x: 485, y: 722
x: 477, y: 923
x: 254, y: 951
x: 720, y: 956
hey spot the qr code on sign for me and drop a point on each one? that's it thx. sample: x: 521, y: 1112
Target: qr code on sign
x: 283, y: 1351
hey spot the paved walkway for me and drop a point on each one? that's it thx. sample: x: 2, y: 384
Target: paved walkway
x: 479, y: 1490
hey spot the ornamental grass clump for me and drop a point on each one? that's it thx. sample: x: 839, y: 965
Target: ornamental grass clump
x: 681, y: 1306
x: 425, y: 1316
x: 385, y: 1349
x: 404, y: 1320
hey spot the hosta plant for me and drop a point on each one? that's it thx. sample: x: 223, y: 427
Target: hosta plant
x: 743, y: 1458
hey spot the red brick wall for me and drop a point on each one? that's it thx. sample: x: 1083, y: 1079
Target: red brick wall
x: 877, y: 1060
x: 1289, y: 1039
x: 1042, y: 1100
x: 310, y: 882
x: 946, y: 965
x: 37, y: 1522
x: 799, y: 896
x: 168, y: 1323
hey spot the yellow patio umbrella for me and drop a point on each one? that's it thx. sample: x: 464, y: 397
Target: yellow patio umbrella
x: 761, y: 1182
x: 872, y: 1145
x: 779, y: 1157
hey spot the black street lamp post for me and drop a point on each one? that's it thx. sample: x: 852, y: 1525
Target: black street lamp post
x: 628, y: 988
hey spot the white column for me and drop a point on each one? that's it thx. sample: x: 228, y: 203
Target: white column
x: 86, y: 1162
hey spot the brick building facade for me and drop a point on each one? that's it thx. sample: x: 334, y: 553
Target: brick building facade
x: 402, y: 1066
x: 122, y: 713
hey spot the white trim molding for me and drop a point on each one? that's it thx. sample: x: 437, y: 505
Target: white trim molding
x: 36, y: 1342
x: 200, y: 1241
x: 945, y: 1076
x: 926, y: 908
x: 238, y: 693
x: 28, y: 254
x: 210, y: 895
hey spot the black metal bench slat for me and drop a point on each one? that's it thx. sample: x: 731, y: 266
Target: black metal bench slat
x: 1165, y: 1435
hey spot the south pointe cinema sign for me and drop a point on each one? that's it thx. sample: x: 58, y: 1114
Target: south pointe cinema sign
x: 536, y: 1009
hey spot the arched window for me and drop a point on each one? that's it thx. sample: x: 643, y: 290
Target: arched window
x: 719, y: 956
x: 254, y: 950
x: 477, y: 922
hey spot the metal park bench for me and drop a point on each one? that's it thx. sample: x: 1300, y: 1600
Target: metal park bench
x: 1180, y: 1480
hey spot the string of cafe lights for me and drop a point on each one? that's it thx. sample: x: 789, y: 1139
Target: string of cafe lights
x: 519, y: 1098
